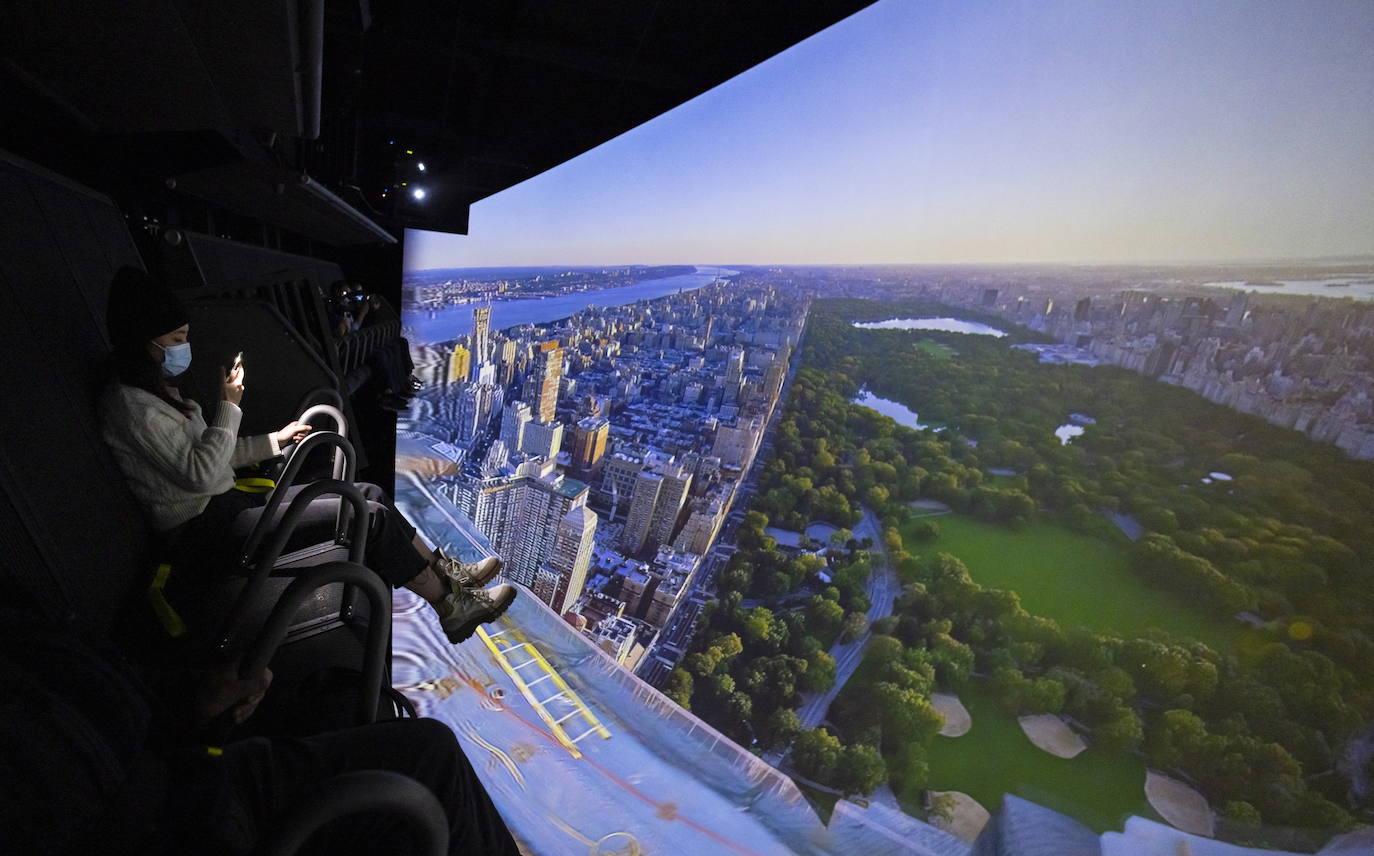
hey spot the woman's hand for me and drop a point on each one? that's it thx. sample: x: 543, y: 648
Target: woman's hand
x: 232, y: 390
x: 293, y: 432
x: 224, y: 693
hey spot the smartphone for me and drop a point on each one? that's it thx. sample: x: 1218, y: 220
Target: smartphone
x: 238, y: 361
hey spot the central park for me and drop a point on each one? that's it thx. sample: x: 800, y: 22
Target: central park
x: 1078, y: 581
x: 1177, y: 589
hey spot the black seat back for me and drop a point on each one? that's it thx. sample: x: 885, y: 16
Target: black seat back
x: 206, y: 266
x: 280, y: 366
x: 69, y: 528
x: 268, y: 303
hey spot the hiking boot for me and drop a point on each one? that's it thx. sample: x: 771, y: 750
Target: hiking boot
x: 463, y: 610
x: 467, y: 574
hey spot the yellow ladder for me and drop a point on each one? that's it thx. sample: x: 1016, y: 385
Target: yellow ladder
x: 511, y: 641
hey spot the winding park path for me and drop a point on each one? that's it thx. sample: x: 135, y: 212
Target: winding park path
x: 882, y: 592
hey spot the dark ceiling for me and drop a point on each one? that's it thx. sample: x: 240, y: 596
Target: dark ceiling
x: 486, y: 93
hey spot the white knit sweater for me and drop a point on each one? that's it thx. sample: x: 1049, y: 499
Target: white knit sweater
x: 174, y: 462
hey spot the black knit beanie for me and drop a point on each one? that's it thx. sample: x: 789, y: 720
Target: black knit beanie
x: 141, y: 307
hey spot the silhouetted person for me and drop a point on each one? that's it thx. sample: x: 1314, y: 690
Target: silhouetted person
x: 181, y: 467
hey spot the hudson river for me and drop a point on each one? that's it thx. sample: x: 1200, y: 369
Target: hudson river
x: 424, y: 327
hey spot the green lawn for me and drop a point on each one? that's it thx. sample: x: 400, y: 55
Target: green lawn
x: 1077, y: 580
x: 996, y: 758
x: 935, y: 349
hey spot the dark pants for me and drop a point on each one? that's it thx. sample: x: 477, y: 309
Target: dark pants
x: 208, y: 545
x: 266, y: 777
x: 389, y: 549
x: 393, y: 364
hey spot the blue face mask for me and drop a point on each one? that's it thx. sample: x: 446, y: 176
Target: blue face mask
x: 175, y: 358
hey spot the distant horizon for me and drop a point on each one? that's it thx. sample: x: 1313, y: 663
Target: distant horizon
x: 1069, y: 132
x: 1312, y: 261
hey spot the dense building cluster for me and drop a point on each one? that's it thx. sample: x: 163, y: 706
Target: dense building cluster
x: 601, y: 455
x: 1297, y: 363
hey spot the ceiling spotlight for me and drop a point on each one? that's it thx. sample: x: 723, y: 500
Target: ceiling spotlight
x: 418, y: 193
x: 421, y: 165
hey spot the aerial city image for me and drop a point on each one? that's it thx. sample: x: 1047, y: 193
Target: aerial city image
x: 954, y: 435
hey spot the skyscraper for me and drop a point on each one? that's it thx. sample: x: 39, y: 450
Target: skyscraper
x: 481, y: 338
x: 734, y: 373
x: 572, y: 555
x: 542, y: 439
x: 1083, y: 309
x: 672, y: 495
x: 504, y: 357
x: 618, y: 476
x: 641, y: 515
x: 659, y: 494
x: 513, y: 421
x: 773, y: 378
x: 459, y: 364
x: 477, y: 402
x: 589, y: 444
x: 1235, y: 313
x: 496, y: 458
x: 527, y: 517
x: 541, y: 387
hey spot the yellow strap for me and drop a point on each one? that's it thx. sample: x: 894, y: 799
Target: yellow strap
x: 254, y: 485
x: 170, y: 620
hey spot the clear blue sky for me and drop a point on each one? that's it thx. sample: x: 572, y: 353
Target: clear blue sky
x: 1053, y: 130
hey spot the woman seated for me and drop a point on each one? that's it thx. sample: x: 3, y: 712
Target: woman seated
x: 181, y: 468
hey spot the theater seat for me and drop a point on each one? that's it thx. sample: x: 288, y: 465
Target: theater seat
x: 71, y: 529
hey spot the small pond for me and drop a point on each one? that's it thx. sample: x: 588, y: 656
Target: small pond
x: 1067, y: 432
x: 900, y: 412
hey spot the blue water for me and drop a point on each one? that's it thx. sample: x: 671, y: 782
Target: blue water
x: 887, y: 407
x: 1359, y: 286
x: 424, y: 327
x: 944, y: 325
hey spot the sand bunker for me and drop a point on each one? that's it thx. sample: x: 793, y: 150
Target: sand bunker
x: 957, y: 719
x: 1048, y: 732
x: 968, y: 818
x: 1182, y: 806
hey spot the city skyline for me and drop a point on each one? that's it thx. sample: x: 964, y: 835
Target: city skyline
x: 938, y: 135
